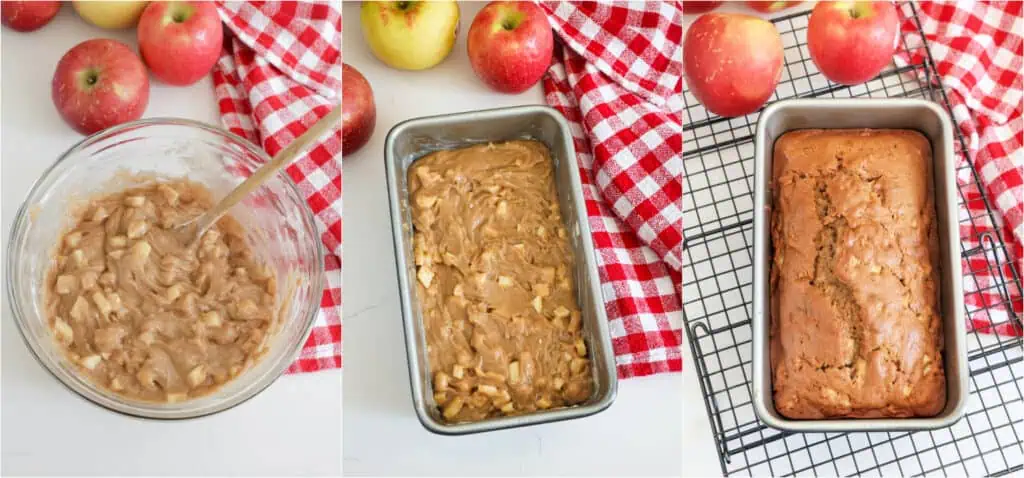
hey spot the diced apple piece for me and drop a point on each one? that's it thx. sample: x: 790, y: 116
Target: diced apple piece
x: 453, y: 408
x: 212, y: 318
x: 63, y: 332
x: 425, y: 275
x: 486, y: 389
x: 78, y: 257
x: 66, y: 284
x: 513, y: 372
x: 100, y: 214
x: 91, y: 361
x: 169, y: 193
x: 134, y: 201
x: 140, y: 252
x: 174, y: 291
x: 197, y: 376
x: 72, y: 240
x: 89, y: 279
x: 425, y: 202
x: 137, y: 229
x: 79, y: 309
x: 102, y: 304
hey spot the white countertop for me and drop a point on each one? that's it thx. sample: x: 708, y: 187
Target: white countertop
x: 292, y: 428
x: 657, y: 425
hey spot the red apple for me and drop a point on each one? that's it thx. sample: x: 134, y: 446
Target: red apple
x: 693, y: 6
x: 98, y: 84
x: 358, y: 112
x: 771, y: 7
x: 852, y: 41
x: 28, y: 16
x: 180, y: 41
x: 510, y: 45
x: 732, y: 62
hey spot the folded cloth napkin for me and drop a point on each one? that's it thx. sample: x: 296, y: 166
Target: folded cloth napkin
x: 976, y: 47
x: 279, y: 73
x: 616, y: 78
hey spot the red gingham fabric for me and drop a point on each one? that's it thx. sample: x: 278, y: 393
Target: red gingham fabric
x: 617, y: 79
x: 280, y: 72
x: 977, y: 53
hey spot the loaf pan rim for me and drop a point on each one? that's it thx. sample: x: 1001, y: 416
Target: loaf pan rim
x: 761, y: 392
x: 410, y: 320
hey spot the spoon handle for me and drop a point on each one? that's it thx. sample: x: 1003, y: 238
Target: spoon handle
x: 264, y: 172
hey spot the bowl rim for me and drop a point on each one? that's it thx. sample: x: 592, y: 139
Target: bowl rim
x: 130, y: 409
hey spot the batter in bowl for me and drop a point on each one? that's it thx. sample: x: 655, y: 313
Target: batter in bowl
x: 146, y: 316
x: 495, y: 283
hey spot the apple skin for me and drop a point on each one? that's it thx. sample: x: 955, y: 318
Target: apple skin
x: 771, y: 7
x: 98, y: 84
x: 112, y: 15
x: 510, y: 45
x: 732, y: 62
x: 410, y: 35
x: 27, y: 16
x: 851, y: 50
x: 699, y: 6
x: 180, y: 41
x: 358, y: 111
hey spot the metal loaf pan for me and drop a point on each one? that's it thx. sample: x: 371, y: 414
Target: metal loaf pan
x: 914, y: 114
x: 411, y: 140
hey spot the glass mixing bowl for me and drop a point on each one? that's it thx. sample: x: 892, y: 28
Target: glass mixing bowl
x: 279, y: 227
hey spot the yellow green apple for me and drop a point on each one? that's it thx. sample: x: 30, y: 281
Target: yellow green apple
x: 410, y: 35
x: 108, y: 14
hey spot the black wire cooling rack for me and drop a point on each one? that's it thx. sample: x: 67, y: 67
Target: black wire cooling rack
x: 717, y: 290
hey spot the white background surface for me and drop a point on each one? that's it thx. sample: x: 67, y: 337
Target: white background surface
x: 657, y: 426
x: 292, y: 428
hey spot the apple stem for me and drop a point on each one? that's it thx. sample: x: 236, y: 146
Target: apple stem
x: 404, y: 5
x: 91, y: 79
x: 854, y: 13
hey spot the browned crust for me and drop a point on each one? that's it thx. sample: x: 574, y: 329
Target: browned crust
x: 855, y: 325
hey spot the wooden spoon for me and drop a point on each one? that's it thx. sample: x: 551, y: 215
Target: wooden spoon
x: 195, y: 227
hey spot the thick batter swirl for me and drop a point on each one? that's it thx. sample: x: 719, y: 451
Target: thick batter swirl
x: 145, y: 316
x: 494, y: 270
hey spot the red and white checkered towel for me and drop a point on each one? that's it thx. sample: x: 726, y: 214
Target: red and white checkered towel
x: 977, y: 51
x: 617, y: 80
x: 279, y: 73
